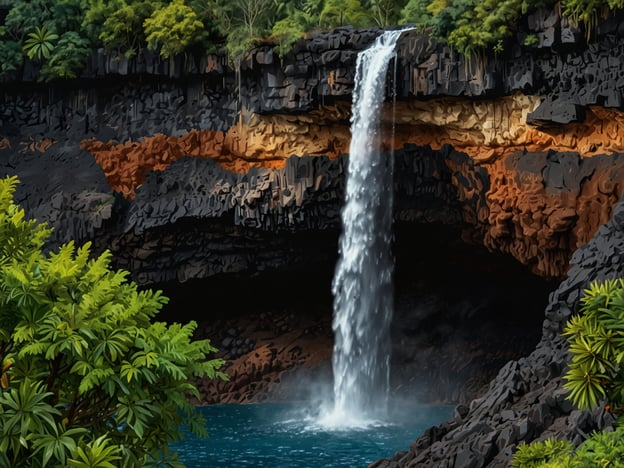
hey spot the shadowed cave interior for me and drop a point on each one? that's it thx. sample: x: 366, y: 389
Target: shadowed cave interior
x: 461, y: 313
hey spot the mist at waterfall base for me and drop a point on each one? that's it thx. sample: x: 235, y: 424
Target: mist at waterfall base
x: 287, y: 435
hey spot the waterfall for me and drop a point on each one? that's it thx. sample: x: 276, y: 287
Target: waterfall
x: 362, y: 284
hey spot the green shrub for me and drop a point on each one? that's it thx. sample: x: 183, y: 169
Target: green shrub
x: 171, y: 29
x: 89, y: 377
x: 596, y: 343
x: 11, y: 56
x: 549, y: 452
x: 68, y: 57
x: 39, y: 44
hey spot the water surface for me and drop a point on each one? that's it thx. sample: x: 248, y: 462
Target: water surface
x: 289, y: 436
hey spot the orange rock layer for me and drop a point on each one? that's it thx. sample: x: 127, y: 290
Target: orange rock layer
x: 540, y: 229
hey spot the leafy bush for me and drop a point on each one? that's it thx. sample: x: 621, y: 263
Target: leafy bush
x: 542, y: 453
x: 25, y: 16
x: 415, y: 12
x: 122, y: 30
x: 89, y: 378
x: 172, y: 28
x: 596, y: 341
x: 68, y: 57
x: 340, y: 12
x: 594, y: 376
x: 40, y: 43
x: 604, y: 449
x: 286, y: 33
x: 11, y: 56
x: 601, y: 449
x: 467, y: 25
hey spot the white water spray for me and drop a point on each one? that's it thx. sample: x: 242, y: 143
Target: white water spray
x: 362, y: 285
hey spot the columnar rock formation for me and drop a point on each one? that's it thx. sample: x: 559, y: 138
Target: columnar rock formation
x: 188, y: 170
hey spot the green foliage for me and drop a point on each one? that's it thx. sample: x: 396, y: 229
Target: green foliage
x: 180, y: 26
x: 40, y: 43
x: 340, y: 12
x: 122, y: 30
x: 550, y: 452
x: 446, y: 16
x: 415, y: 12
x: 589, y: 12
x: 11, y: 56
x: 248, y: 20
x: 67, y: 15
x: 95, y: 14
x: 286, y: 33
x: 238, y: 44
x: 69, y: 57
x: 531, y: 40
x: 89, y: 377
x: 596, y: 341
x: 469, y: 26
x: 172, y: 28
x: 251, y: 15
x: 384, y: 12
x: 25, y: 16
x: 601, y: 449
x: 604, y: 449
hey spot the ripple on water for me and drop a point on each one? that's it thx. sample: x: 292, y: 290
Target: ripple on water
x: 290, y: 436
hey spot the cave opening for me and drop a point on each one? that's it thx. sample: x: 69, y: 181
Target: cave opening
x: 461, y: 312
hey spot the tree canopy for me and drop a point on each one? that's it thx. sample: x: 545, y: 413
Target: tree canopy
x: 59, y: 34
x: 89, y: 377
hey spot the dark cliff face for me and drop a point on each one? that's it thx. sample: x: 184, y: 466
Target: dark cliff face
x: 189, y: 171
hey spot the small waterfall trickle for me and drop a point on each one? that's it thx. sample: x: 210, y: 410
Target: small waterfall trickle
x: 362, y: 285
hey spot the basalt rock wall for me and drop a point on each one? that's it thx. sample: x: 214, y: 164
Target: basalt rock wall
x: 554, y: 107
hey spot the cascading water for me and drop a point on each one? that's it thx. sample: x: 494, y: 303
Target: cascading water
x: 362, y: 285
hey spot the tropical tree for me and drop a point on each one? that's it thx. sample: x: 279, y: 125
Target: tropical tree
x: 67, y: 15
x: 89, y: 377
x: 24, y: 16
x: 68, y: 57
x: 11, y: 56
x: 123, y: 31
x: 95, y: 14
x: 40, y: 43
x: 339, y: 13
x: 171, y: 29
x: 384, y: 12
x: 251, y: 13
x: 287, y: 32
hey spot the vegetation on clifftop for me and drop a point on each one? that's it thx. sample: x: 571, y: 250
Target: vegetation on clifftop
x: 88, y: 377
x: 60, y: 34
